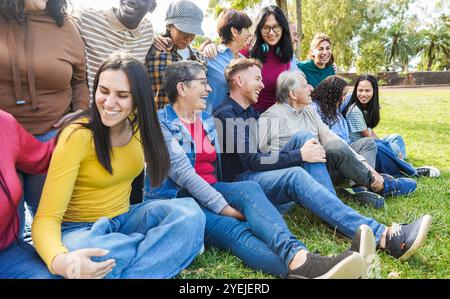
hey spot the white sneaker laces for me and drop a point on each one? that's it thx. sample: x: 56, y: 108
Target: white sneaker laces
x: 395, y: 230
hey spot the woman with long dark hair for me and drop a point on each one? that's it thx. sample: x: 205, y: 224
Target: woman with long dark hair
x: 85, y: 200
x: 330, y: 96
x: 272, y: 45
x: 19, y: 150
x: 43, y: 79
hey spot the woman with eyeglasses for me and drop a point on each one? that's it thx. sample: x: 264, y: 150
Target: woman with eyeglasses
x: 273, y: 47
x: 239, y: 216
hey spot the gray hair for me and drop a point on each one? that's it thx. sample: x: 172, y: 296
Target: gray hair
x: 179, y: 72
x: 286, y: 82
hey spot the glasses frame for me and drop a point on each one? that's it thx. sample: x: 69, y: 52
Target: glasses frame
x: 204, y: 83
x: 272, y: 28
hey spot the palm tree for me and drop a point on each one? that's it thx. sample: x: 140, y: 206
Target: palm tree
x: 436, y: 41
x: 399, y: 45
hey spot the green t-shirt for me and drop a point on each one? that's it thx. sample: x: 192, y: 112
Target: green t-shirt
x: 315, y: 75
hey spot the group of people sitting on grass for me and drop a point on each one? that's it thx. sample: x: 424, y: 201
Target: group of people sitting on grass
x: 96, y: 182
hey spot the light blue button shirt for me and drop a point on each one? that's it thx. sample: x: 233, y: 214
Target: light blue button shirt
x: 216, y: 77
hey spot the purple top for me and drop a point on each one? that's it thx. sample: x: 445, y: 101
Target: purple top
x: 272, y: 68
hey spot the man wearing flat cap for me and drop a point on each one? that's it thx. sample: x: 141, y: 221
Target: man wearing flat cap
x: 183, y: 23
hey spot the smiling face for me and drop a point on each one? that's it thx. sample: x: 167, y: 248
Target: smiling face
x: 271, y: 31
x: 35, y: 5
x: 242, y: 39
x: 322, y: 53
x: 364, y: 92
x: 302, y: 94
x: 251, y: 84
x: 113, y: 99
x: 196, y: 92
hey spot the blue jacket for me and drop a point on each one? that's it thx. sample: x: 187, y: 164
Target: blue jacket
x: 182, y: 151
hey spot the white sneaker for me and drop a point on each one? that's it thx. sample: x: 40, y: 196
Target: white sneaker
x: 428, y: 171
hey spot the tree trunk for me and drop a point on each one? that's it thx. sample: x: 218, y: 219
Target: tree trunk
x: 298, y: 5
x: 429, y: 64
x: 283, y: 5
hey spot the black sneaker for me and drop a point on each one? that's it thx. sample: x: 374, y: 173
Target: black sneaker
x: 403, y: 240
x: 363, y: 196
x: 346, y: 265
x: 364, y: 243
x: 428, y: 171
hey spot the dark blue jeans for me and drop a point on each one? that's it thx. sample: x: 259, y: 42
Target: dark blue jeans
x: 295, y: 184
x: 20, y: 260
x: 263, y: 241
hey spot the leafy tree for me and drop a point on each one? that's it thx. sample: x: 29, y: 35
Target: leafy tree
x: 399, y: 46
x: 435, y: 44
x: 371, y: 59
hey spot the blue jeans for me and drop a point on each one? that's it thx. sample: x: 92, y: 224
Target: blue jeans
x: 397, y: 144
x: 154, y: 239
x: 317, y: 170
x: 20, y: 260
x: 295, y: 184
x: 263, y: 241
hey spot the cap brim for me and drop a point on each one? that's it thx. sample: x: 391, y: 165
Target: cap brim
x: 189, y: 28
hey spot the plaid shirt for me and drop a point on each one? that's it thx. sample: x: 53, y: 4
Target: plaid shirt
x: 156, y: 63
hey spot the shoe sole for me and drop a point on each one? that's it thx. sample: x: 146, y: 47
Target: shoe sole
x: 421, y: 236
x: 351, y: 267
x: 364, y: 197
x: 367, y: 247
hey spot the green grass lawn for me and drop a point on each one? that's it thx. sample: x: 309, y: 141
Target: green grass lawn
x: 422, y: 117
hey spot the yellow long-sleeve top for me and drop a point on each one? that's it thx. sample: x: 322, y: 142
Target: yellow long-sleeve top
x: 79, y: 189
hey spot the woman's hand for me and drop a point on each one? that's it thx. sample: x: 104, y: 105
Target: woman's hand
x: 210, y: 50
x: 78, y: 264
x: 163, y: 43
x: 65, y: 118
x: 232, y: 212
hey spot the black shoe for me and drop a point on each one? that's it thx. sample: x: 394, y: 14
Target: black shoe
x: 403, y: 240
x: 363, y: 196
x: 428, y: 171
x: 364, y: 243
x: 346, y: 265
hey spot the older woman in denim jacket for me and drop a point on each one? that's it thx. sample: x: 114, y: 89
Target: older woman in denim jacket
x: 239, y: 217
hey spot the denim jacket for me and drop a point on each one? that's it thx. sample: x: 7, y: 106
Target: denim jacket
x: 182, y: 151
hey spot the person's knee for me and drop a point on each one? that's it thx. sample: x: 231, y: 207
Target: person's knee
x: 368, y: 144
x: 295, y: 175
x: 191, y: 212
x: 336, y: 147
x: 302, y: 135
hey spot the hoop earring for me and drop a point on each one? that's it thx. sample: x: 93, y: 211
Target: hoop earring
x: 265, y: 48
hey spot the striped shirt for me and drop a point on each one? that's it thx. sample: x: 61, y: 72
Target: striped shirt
x: 356, y: 122
x: 104, y: 34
